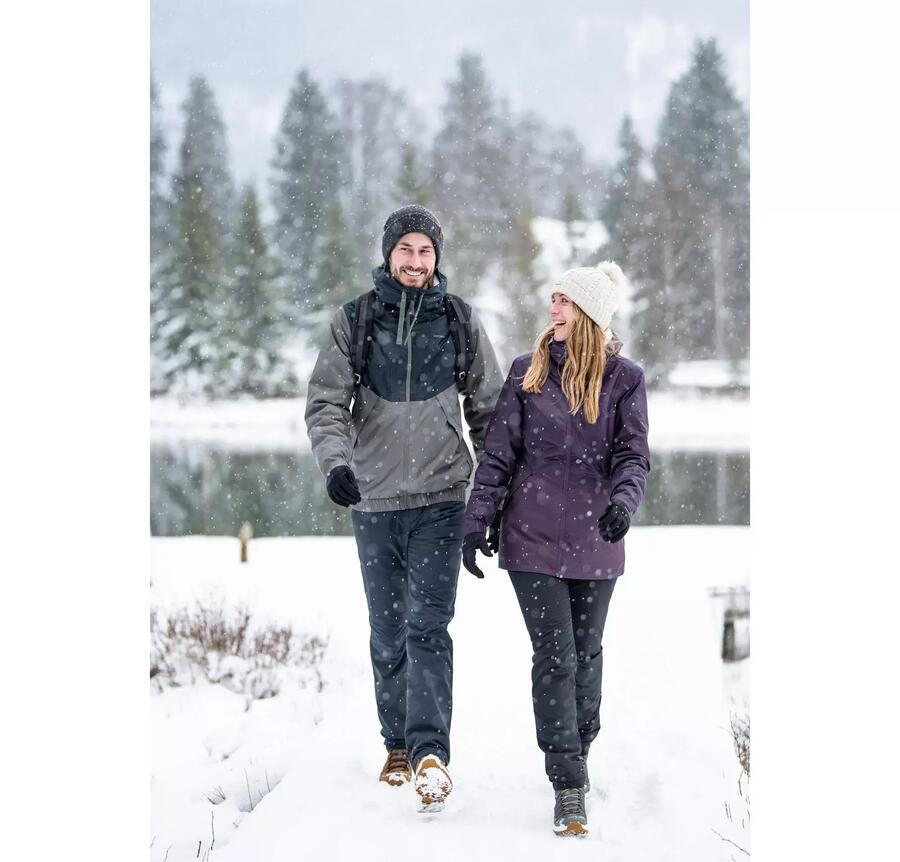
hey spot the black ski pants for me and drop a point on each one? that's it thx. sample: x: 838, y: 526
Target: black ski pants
x: 565, y: 619
x: 410, y: 565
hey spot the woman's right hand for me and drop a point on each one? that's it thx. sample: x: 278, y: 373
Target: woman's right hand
x: 473, y: 542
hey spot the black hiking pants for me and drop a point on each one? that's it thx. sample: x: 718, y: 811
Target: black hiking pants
x: 410, y: 565
x: 565, y: 619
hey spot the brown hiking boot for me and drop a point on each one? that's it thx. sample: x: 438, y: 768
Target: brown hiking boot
x: 396, y: 770
x: 433, y: 784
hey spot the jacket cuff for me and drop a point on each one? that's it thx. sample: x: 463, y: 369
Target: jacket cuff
x: 621, y: 501
x: 473, y: 524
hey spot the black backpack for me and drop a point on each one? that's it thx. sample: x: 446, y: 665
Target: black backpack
x: 460, y: 328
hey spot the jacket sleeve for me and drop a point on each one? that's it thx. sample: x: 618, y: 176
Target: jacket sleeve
x: 483, y: 386
x: 503, y: 447
x: 630, y: 452
x: 329, y: 393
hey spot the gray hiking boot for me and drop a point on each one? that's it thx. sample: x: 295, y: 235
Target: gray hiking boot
x: 569, y: 816
x: 587, y: 782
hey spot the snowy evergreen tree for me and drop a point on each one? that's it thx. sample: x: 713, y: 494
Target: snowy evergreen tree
x: 307, y: 171
x: 191, y: 298
x: 701, y: 164
x: 375, y: 122
x: 411, y: 185
x: 571, y: 213
x: 629, y: 213
x: 552, y: 162
x: 251, y: 350
x: 525, y: 154
x: 624, y: 187
x: 469, y: 175
x: 571, y: 210
x: 160, y: 206
x: 342, y: 275
x: 528, y: 311
x: 161, y: 240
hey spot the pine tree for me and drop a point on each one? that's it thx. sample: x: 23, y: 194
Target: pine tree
x: 191, y: 301
x: 571, y: 213
x: 625, y: 181
x: 252, y: 357
x: 701, y: 162
x: 629, y: 214
x: 161, y: 236
x: 571, y: 209
x: 529, y: 306
x: 159, y: 203
x: 338, y: 270
x: 469, y: 173
x: 411, y: 185
x: 374, y: 122
x: 307, y: 176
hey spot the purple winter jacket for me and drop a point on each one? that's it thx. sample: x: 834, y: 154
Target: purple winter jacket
x: 560, y: 472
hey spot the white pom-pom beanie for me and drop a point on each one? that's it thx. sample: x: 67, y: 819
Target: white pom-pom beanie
x: 596, y: 290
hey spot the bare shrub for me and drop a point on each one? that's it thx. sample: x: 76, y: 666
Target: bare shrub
x: 740, y: 732
x: 210, y: 643
x: 216, y: 796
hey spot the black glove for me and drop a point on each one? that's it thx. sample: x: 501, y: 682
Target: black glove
x: 493, y: 536
x: 341, y: 486
x: 471, y: 543
x: 614, y: 523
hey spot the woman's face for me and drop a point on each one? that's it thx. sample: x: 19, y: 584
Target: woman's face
x: 562, y: 313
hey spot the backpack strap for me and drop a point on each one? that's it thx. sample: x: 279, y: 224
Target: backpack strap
x: 463, y: 337
x: 361, y: 334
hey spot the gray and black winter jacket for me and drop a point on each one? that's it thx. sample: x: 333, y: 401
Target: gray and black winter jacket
x: 401, y: 431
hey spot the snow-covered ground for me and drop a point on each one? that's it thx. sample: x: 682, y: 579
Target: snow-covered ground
x: 664, y: 768
x: 677, y: 422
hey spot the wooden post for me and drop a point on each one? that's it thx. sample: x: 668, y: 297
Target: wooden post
x: 245, y: 535
x: 728, y: 651
x: 735, y: 620
x: 736, y: 635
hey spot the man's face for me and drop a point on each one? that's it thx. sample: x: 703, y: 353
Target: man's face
x: 412, y: 260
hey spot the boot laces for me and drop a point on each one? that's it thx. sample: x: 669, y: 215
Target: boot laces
x: 397, y: 760
x: 570, y: 802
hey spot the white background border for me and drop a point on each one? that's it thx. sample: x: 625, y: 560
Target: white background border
x: 75, y: 557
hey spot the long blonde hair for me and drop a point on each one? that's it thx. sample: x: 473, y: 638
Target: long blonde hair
x: 582, y: 373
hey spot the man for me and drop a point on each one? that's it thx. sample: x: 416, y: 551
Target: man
x: 384, y: 421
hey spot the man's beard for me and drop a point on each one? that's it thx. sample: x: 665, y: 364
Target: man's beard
x: 422, y: 280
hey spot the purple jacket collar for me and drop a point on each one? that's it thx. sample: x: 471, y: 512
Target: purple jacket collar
x: 558, y: 351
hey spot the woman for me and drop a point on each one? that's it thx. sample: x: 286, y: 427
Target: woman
x: 566, y: 456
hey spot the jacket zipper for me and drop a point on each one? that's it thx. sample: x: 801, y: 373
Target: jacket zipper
x: 406, y: 456
x: 562, y: 520
x: 409, y: 431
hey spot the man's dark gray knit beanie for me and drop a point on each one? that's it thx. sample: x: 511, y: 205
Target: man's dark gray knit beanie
x: 412, y: 219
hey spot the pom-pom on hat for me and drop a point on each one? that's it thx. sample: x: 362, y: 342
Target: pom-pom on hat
x: 412, y: 219
x: 596, y: 290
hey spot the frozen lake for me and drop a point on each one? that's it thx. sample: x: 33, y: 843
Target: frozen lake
x: 200, y: 487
